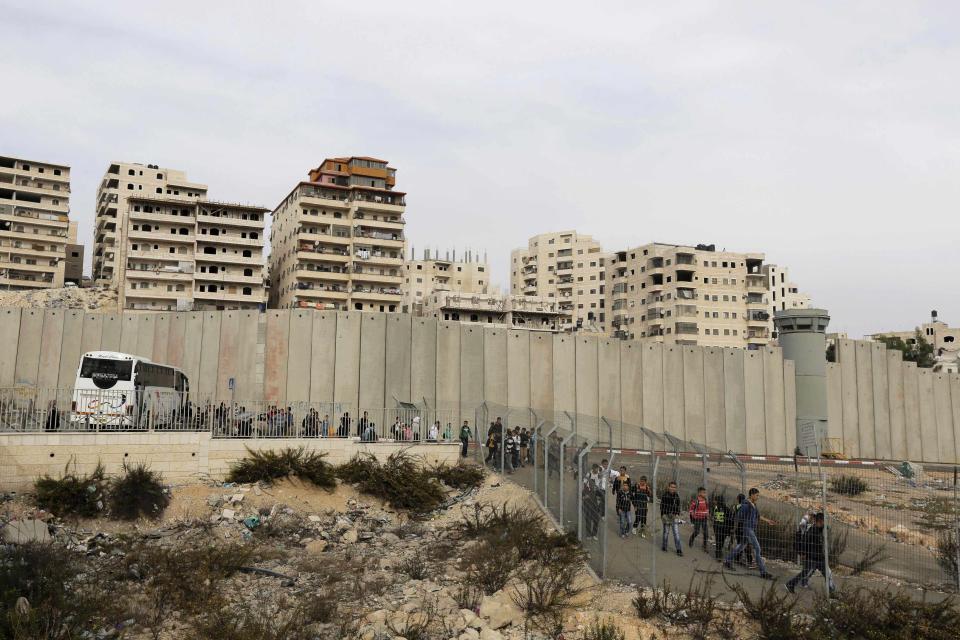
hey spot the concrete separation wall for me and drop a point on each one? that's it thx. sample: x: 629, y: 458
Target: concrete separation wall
x: 882, y: 407
x: 181, y: 457
x: 730, y: 399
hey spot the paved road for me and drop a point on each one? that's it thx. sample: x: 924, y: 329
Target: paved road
x: 640, y: 561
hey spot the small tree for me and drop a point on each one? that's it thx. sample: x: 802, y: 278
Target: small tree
x: 919, y: 351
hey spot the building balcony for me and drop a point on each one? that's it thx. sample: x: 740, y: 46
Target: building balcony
x: 155, y: 293
x: 25, y: 281
x: 376, y: 257
x: 256, y: 296
x: 758, y: 318
x: 754, y: 301
x: 686, y: 328
x: 375, y: 277
x: 23, y: 266
x: 378, y: 294
x: 379, y: 223
x: 230, y: 240
x: 324, y: 235
x: 393, y: 203
x: 314, y: 290
x: 158, y: 274
x: 162, y: 217
x: 33, y: 217
x: 207, y: 218
x: 323, y: 256
x: 758, y: 335
x: 685, y: 310
x: 227, y: 258
x: 162, y: 235
x: 320, y: 274
x: 685, y: 259
x: 233, y: 278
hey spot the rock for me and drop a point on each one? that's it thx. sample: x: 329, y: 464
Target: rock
x: 350, y: 536
x: 903, y: 534
x: 469, y: 634
x: 227, y: 514
x: 215, y: 518
x: 389, y: 538
x: 468, y: 616
x: 236, y: 498
x: 22, y: 606
x: 499, y: 613
x: 317, y: 546
x: 213, y: 501
x: 490, y: 634
x: 314, y: 518
x: 366, y: 536
x: 380, y: 615
x: 21, y: 531
x: 256, y: 490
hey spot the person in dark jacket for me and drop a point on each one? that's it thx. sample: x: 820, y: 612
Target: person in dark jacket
x: 640, y: 495
x: 53, y: 417
x: 465, y: 435
x: 722, y: 522
x: 622, y: 496
x: 738, y: 533
x: 670, y: 516
x: 812, y: 557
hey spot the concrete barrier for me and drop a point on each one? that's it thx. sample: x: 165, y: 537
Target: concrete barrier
x: 182, y: 457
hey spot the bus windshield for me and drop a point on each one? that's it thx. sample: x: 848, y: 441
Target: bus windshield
x: 105, y: 373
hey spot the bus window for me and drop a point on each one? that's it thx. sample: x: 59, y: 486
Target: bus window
x: 105, y: 373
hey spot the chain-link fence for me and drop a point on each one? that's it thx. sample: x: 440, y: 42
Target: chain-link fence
x: 634, y: 508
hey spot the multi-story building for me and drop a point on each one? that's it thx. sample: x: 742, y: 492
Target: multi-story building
x: 432, y: 273
x: 34, y: 223
x: 192, y: 254
x: 784, y: 294
x: 121, y: 181
x: 569, y: 267
x: 73, y: 265
x: 515, y: 311
x: 692, y: 295
x: 337, y: 240
x: 938, y: 333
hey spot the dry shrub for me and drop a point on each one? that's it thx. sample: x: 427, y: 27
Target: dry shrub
x: 490, y: 564
x: 263, y: 620
x: 837, y: 539
x: 63, y: 598
x: 401, y: 481
x: 873, y: 555
x: 138, y: 492
x: 269, y: 465
x: 848, y: 485
x: 414, y: 567
x: 773, y: 611
x: 548, y: 582
x: 521, y: 528
x: 467, y: 596
x: 882, y: 614
x: 948, y: 548
x: 605, y: 630
x: 777, y: 540
x: 693, y: 608
x: 73, y: 494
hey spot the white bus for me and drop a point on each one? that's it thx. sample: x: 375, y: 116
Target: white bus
x: 122, y: 391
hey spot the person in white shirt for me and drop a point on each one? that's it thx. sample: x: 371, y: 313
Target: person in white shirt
x: 434, y: 432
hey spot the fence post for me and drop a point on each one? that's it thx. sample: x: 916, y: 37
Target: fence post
x: 606, y: 522
x: 546, y: 465
x: 653, y: 512
x: 956, y: 533
x: 563, y: 449
x: 826, y: 529
x: 580, y: 485
x: 743, y: 474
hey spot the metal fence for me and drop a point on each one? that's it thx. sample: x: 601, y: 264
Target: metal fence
x: 882, y: 522
x: 26, y: 410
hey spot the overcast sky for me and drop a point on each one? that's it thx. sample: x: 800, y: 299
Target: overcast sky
x: 824, y: 134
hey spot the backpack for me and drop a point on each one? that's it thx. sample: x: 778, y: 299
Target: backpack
x: 719, y: 514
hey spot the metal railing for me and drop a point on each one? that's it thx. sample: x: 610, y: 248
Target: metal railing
x: 30, y: 410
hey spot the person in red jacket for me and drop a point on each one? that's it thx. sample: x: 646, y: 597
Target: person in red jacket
x: 699, y: 516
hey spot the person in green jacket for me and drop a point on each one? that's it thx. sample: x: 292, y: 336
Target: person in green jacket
x: 465, y: 435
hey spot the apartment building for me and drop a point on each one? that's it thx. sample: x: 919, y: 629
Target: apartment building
x: 938, y: 333
x: 337, y: 240
x: 121, y: 181
x: 566, y: 266
x: 431, y: 273
x: 34, y: 224
x: 73, y: 265
x: 184, y: 255
x: 693, y: 295
x: 513, y: 311
x: 784, y: 294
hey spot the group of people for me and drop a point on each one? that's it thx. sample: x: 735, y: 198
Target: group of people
x: 511, y: 446
x: 734, y: 527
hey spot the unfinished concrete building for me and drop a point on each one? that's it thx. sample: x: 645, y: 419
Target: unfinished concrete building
x: 34, y: 223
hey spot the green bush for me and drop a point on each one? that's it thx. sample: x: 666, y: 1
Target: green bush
x: 138, y: 492
x: 72, y: 494
x: 605, y: 630
x: 521, y: 527
x: 848, y: 485
x: 460, y: 476
x: 269, y: 465
x: 880, y: 614
x: 401, y: 481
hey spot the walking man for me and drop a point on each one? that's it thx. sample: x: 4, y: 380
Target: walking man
x: 465, y: 434
x: 749, y: 516
x: 640, y: 495
x: 622, y: 494
x: 698, y: 517
x: 812, y: 557
x: 670, y: 516
x: 721, y: 524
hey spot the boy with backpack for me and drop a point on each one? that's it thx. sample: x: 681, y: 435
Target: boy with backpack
x: 699, y: 510
x: 722, y: 521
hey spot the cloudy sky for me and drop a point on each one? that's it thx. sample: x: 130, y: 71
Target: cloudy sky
x: 824, y: 134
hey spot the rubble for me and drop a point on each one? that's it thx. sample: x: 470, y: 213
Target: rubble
x: 22, y: 531
x: 99, y: 298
